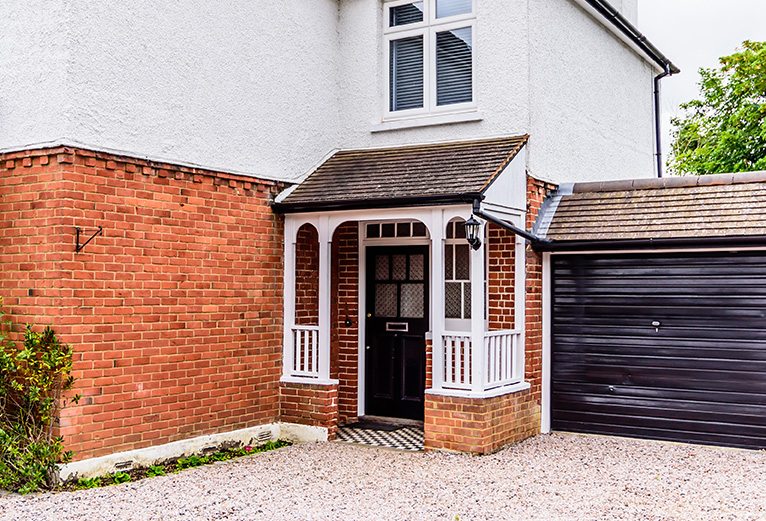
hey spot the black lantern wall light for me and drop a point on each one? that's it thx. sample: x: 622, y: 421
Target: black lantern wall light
x: 472, y: 232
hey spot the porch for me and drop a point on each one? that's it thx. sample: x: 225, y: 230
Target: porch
x: 383, y: 316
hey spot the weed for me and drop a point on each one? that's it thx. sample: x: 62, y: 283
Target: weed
x: 154, y: 471
x: 119, y: 477
x: 88, y: 483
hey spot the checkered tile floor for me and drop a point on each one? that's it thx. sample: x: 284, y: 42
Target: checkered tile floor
x: 406, y: 438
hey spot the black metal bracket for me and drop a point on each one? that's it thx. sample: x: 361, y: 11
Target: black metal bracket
x: 79, y: 248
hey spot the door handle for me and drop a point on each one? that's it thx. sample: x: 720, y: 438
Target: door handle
x: 367, y: 348
x: 369, y: 315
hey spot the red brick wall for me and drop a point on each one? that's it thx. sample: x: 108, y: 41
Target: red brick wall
x: 536, y: 191
x: 345, y: 299
x: 480, y: 426
x: 308, y: 404
x: 175, y: 312
x: 307, y: 276
x: 501, y: 273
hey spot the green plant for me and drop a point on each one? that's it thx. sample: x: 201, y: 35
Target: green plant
x: 85, y: 483
x: 119, y: 477
x: 725, y: 129
x: 33, y: 379
x: 155, y: 470
x: 191, y: 461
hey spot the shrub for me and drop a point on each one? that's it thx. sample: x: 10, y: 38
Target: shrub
x: 32, y: 382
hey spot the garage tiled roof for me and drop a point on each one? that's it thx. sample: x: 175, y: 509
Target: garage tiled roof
x: 374, y: 176
x: 722, y: 205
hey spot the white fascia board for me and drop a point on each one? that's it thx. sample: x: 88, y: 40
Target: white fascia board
x: 619, y: 34
x: 509, y: 188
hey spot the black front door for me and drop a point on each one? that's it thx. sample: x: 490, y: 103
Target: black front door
x: 397, y: 321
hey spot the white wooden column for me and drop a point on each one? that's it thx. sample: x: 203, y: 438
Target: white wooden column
x: 520, y: 299
x: 478, y: 358
x: 325, y: 241
x: 437, y: 297
x: 288, y: 349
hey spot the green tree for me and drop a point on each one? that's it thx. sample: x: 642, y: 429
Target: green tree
x: 725, y: 130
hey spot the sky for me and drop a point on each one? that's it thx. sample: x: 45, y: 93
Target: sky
x: 694, y: 34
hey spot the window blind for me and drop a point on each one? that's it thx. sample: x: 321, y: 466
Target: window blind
x: 406, y: 73
x: 454, y: 66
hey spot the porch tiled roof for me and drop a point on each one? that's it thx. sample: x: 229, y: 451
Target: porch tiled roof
x: 404, y: 174
x: 724, y: 205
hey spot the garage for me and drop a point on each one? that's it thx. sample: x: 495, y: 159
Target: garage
x: 661, y: 346
x: 657, y: 308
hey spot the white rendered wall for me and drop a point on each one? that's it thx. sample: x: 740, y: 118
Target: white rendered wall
x: 591, y: 96
x: 248, y: 86
x: 33, y: 58
x: 270, y: 88
x: 501, y: 54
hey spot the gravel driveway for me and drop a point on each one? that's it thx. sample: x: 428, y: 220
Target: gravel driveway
x: 557, y: 477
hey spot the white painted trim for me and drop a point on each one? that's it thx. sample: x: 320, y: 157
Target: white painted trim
x: 465, y: 116
x: 143, y: 458
x: 492, y: 393
x: 545, y: 416
x: 288, y: 303
x: 520, y: 299
x: 617, y: 33
x: 361, y: 386
x: 437, y: 294
x: 478, y: 354
x: 308, y: 381
x: 325, y: 300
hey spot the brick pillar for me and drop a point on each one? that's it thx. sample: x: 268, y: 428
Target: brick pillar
x: 310, y: 404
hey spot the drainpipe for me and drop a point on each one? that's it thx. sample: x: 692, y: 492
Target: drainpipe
x: 658, y: 118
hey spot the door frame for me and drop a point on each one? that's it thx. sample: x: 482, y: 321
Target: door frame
x: 362, y: 305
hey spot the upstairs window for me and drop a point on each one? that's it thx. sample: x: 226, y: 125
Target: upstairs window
x: 429, y: 59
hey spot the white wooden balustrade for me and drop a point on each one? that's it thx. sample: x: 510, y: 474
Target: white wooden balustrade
x: 499, y: 360
x: 305, y: 352
x: 457, y: 361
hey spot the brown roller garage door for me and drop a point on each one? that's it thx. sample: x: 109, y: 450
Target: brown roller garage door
x: 662, y: 346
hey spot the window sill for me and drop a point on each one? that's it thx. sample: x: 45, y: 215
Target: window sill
x: 428, y: 121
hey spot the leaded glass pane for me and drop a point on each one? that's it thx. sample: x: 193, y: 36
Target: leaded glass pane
x: 451, y: 230
x: 399, y: 271
x: 453, y: 301
x: 381, y: 267
x: 418, y: 230
x: 446, y: 8
x: 417, y: 267
x: 385, y: 300
x: 387, y: 230
x: 403, y: 230
x: 373, y: 231
x: 406, y: 14
x: 448, y: 262
x: 466, y: 300
x: 460, y: 230
x: 462, y: 262
x: 413, y: 300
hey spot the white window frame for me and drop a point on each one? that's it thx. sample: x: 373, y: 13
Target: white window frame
x: 427, y: 29
x: 463, y: 323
